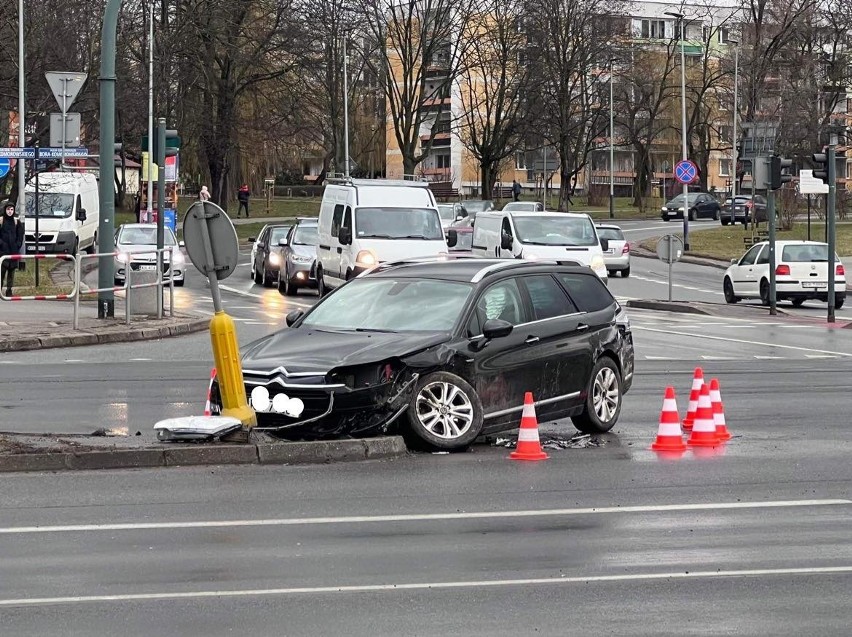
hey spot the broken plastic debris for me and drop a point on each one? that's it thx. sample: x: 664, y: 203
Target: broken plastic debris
x: 195, y: 427
x: 555, y: 442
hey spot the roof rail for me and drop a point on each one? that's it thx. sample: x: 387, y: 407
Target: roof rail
x: 416, y: 260
x: 518, y: 263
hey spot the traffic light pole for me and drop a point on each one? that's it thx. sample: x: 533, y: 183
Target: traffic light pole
x: 770, y: 214
x: 161, y: 205
x: 830, y: 227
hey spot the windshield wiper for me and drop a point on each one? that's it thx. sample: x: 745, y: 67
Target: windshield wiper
x: 374, y: 329
x: 377, y: 236
x: 418, y: 236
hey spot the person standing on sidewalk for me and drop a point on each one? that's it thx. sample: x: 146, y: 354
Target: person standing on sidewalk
x: 243, y: 197
x: 516, y: 190
x: 11, y: 240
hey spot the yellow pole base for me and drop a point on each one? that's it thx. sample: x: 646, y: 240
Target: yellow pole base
x: 226, y: 355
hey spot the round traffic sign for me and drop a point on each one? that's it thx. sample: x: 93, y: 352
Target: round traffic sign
x: 686, y: 172
x: 220, y: 257
x: 5, y: 166
x: 670, y: 248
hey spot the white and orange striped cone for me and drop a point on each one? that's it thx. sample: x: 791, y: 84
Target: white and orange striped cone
x: 697, y: 382
x: 722, y: 432
x: 529, y: 446
x: 669, y: 434
x: 704, y: 429
x: 208, y: 408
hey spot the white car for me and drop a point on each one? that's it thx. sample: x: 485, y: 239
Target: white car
x: 617, y: 255
x: 801, y: 274
x: 524, y: 206
x: 136, y: 245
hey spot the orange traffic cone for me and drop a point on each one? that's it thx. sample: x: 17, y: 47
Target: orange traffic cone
x: 669, y: 435
x: 697, y: 382
x: 704, y: 429
x: 722, y: 432
x: 529, y: 447
x: 207, y: 406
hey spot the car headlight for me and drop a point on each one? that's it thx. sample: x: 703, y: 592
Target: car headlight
x: 298, y: 258
x: 680, y: 209
x: 275, y: 259
x: 366, y: 258
x: 529, y: 255
x: 122, y: 257
x: 178, y: 258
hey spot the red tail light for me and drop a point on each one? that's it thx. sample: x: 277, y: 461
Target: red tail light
x: 840, y: 271
x: 626, y: 249
x: 782, y: 270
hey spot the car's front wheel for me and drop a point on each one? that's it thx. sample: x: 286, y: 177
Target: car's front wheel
x: 445, y: 413
x: 691, y: 214
x: 728, y: 288
x: 603, y: 399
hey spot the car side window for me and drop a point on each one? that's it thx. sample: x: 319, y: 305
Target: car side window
x: 262, y: 238
x: 347, y: 218
x: 502, y: 301
x: 764, y: 256
x: 548, y: 298
x: 507, y: 228
x: 750, y: 256
x: 336, y: 220
x: 587, y: 291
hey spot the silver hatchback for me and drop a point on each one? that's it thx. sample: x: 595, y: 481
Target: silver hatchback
x: 617, y: 256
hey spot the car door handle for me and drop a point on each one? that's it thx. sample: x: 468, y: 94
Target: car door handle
x: 340, y: 251
x: 582, y: 327
x: 531, y: 339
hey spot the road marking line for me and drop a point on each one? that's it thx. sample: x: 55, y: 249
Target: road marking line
x: 371, y: 588
x: 228, y: 288
x: 769, y: 358
x: 420, y: 517
x: 139, y: 360
x: 718, y: 358
x: 820, y: 356
x: 743, y: 341
x: 660, y: 358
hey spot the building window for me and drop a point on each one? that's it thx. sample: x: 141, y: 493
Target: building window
x: 520, y: 160
x: 522, y: 58
x: 724, y: 167
x: 726, y: 134
x: 442, y: 161
x: 724, y: 35
x: 654, y: 29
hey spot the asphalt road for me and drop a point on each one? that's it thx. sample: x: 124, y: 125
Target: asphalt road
x: 751, y: 541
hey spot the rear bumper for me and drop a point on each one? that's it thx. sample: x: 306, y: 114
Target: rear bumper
x: 621, y: 262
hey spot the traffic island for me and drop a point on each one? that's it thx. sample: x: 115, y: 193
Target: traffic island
x: 721, y: 310
x: 20, y: 452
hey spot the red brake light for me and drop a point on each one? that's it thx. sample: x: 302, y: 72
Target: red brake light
x: 840, y: 271
x: 626, y: 249
x: 782, y: 270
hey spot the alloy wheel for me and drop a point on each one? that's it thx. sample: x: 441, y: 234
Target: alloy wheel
x: 444, y: 410
x: 605, y: 394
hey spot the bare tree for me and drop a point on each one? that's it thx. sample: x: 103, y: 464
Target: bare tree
x: 492, y: 85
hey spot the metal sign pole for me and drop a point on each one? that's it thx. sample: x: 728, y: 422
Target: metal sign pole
x: 770, y: 214
x: 830, y: 227
x: 37, y: 214
x: 670, y: 267
x: 64, y: 120
x: 809, y: 217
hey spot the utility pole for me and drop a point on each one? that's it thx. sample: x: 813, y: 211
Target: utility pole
x: 829, y: 223
x: 149, y: 212
x: 345, y: 108
x: 770, y: 214
x: 611, y: 144
x: 22, y: 110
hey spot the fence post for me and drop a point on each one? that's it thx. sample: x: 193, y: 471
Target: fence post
x: 78, y: 283
x: 160, y: 283
x: 127, y: 288
x: 172, y: 282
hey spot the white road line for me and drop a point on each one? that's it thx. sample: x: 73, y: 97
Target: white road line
x: 820, y: 356
x: 139, y: 360
x: 769, y: 358
x: 228, y: 288
x: 644, y: 229
x: 420, y: 517
x: 372, y: 588
x: 743, y: 341
x: 718, y: 358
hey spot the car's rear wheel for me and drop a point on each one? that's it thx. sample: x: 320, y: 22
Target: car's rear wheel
x: 839, y: 300
x: 691, y: 214
x: 728, y: 289
x: 725, y: 222
x: 603, y: 399
x: 764, y: 292
x: 716, y: 215
x: 445, y: 413
x: 626, y: 272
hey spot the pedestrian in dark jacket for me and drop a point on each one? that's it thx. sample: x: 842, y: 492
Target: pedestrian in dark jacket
x: 243, y: 197
x: 516, y: 190
x: 11, y: 240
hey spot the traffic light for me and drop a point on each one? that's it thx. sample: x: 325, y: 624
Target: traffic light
x: 172, y: 144
x: 820, y: 161
x: 777, y: 176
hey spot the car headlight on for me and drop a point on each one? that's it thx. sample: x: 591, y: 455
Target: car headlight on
x: 298, y: 258
x: 680, y: 209
x: 275, y: 259
x: 366, y: 258
x: 122, y: 257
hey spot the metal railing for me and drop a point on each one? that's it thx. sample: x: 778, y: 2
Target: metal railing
x: 16, y: 258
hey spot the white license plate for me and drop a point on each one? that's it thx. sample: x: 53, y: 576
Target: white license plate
x: 814, y: 284
x: 33, y: 248
x: 147, y: 268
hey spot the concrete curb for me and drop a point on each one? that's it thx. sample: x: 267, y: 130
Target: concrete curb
x: 180, y: 455
x: 666, y: 306
x: 119, y: 334
x: 710, y: 262
x: 700, y: 308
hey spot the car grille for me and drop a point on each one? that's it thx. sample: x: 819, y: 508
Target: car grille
x: 42, y: 238
x: 316, y: 403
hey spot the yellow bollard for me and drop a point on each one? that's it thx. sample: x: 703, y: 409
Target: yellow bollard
x: 226, y: 355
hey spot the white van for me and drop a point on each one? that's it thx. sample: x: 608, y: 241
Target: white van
x: 68, y: 213
x: 364, y: 222
x: 557, y: 236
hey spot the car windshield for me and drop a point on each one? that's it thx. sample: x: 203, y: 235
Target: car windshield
x: 277, y: 233
x: 805, y: 253
x: 612, y: 234
x: 556, y: 231
x: 144, y: 236
x: 391, y: 305
x: 474, y: 206
x: 398, y: 223
x: 305, y: 236
x: 56, y: 205
x: 679, y: 200
x: 519, y: 205
x: 447, y: 213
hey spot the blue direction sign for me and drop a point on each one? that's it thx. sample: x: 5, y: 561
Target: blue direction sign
x: 686, y: 172
x: 43, y: 153
x: 5, y: 166
x: 17, y: 153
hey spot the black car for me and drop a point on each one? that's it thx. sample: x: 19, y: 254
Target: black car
x: 698, y: 205
x: 740, y: 209
x: 266, y: 255
x: 443, y: 351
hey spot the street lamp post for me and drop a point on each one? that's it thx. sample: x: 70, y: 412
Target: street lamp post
x: 680, y: 18
x: 611, y: 144
x: 149, y: 209
x: 734, y: 153
x: 22, y: 207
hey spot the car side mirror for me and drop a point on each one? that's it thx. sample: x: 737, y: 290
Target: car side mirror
x: 734, y: 261
x: 461, y: 214
x: 452, y: 237
x: 181, y: 244
x: 505, y: 241
x: 251, y: 239
x: 283, y: 242
x: 604, y: 244
x: 345, y: 236
x: 81, y: 214
x: 294, y: 316
x: 496, y: 328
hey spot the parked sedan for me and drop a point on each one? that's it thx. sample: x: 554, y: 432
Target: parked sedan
x: 266, y: 254
x: 801, y: 274
x: 299, y: 257
x: 444, y: 351
x: 525, y: 206
x: 617, y: 255
x: 450, y: 213
x: 136, y: 249
x: 740, y: 210
x: 697, y: 205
